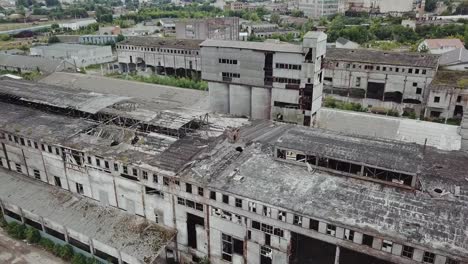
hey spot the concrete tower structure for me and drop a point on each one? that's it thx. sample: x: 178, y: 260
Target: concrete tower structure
x: 266, y: 80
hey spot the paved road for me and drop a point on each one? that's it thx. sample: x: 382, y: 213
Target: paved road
x: 18, y: 252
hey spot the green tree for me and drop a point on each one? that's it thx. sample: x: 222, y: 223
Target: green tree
x: 430, y: 5
x: 297, y: 13
x: 55, y: 26
x: 66, y: 252
x: 5, y: 37
x: 16, y: 230
x: 275, y: 18
x: 53, y: 39
x: 462, y: 8
x: 120, y: 38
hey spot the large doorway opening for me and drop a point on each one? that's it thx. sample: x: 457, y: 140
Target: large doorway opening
x: 308, y: 250
x: 192, y: 222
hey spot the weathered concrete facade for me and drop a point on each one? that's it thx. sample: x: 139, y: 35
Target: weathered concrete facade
x: 259, y: 193
x: 161, y: 56
x: 266, y: 80
x: 75, y: 54
x: 397, y: 81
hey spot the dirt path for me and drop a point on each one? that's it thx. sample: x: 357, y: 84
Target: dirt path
x: 18, y: 252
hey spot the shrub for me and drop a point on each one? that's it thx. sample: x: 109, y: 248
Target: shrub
x: 79, y: 259
x: 3, y: 222
x: 32, y: 235
x: 16, y: 230
x: 47, y: 244
x: 57, y: 249
x: 66, y: 252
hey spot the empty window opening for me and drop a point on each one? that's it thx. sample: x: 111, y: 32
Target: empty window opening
x: 201, y: 192
x: 192, y: 222
x: 225, y: 199
x: 57, y: 181
x: 266, y: 255
x: 436, y: 99
x: 314, y: 224
x: 188, y: 187
x: 282, y: 216
x: 213, y: 195
x: 79, y: 188
x: 79, y: 244
x: 252, y: 207
x: 367, y: 240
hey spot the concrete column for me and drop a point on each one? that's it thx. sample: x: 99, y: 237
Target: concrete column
x: 337, y: 255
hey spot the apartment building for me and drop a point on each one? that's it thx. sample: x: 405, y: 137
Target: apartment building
x: 320, y: 8
x: 266, y: 80
x: 397, y: 81
x: 179, y: 57
x: 258, y: 193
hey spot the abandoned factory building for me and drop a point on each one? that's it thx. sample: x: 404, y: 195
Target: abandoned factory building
x: 133, y: 181
x: 179, y: 57
x: 391, y: 80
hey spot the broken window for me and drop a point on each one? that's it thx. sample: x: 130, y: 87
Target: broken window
x: 79, y: 188
x: 282, y: 216
x: 252, y: 207
x: 278, y: 232
x: 266, y: 256
x: 153, y: 191
x: 36, y: 145
x: 144, y: 175
x: 125, y: 169
x: 387, y: 246
x: 331, y: 230
x: 266, y: 211
x: 165, y: 181
x: 98, y: 162
x: 225, y: 199
x: 57, y: 181
x: 213, y: 195
x: 314, y: 224
x: 297, y: 220
x: 135, y: 172
x: 49, y: 149
x: 349, y: 234
x: 436, y: 99
x: 37, y: 174
x: 255, y: 225
x: 418, y: 90
x: 22, y: 141
x: 358, y: 81
x: 407, y: 251
x: 106, y: 164
x: 180, y: 200
x: 227, y: 247
x: 367, y: 240
x: 428, y: 257
x: 116, y: 167
x: 266, y: 228
x: 43, y: 147
x: 238, y: 203
x: 201, y: 191
x: 188, y: 187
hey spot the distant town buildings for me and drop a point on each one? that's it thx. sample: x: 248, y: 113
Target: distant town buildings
x: 210, y: 28
x: 77, y: 24
x: 456, y: 59
x: 384, y: 6
x: 319, y: 8
x: 75, y: 54
x: 266, y: 80
x: 440, y: 46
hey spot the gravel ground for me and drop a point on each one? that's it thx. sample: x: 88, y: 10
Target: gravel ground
x: 18, y: 252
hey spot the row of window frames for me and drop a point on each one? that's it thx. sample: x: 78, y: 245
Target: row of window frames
x: 437, y: 99
x: 188, y: 52
x: 37, y: 175
x: 288, y: 66
x: 384, y: 68
x: 30, y: 143
x: 331, y: 230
